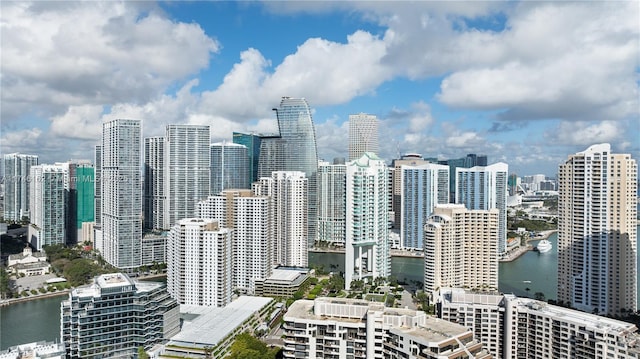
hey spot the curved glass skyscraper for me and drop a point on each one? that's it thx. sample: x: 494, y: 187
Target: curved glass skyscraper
x: 296, y: 151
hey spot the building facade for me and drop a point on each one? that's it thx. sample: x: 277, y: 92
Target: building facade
x: 332, y: 191
x: 294, y: 150
x: 485, y: 187
x: 597, y: 231
x: 199, y: 261
x: 121, y: 195
x: 17, y: 168
x: 252, y: 142
x: 288, y: 192
x: 154, y: 187
x: 363, y: 135
x: 470, y: 160
x: 512, y: 327
x: 422, y: 188
x: 229, y: 167
x: 49, y: 200
x: 367, y: 249
x: 250, y: 217
x: 115, y: 316
x: 350, y: 328
x: 187, y: 164
x: 460, y: 248
x: 411, y: 159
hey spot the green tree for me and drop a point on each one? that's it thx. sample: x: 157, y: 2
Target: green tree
x: 5, y: 292
x: 142, y: 354
x: 246, y: 346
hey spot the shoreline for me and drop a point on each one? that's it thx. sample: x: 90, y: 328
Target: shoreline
x: 520, y: 251
x: 10, y: 301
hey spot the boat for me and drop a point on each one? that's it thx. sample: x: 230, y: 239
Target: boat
x: 544, y: 246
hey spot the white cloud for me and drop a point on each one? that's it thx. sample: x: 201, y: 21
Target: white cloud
x: 93, y: 53
x: 586, y: 133
x: 78, y: 122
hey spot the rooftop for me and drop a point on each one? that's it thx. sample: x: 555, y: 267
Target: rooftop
x: 213, y: 324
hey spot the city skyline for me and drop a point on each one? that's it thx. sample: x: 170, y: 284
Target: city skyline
x: 444, y: 79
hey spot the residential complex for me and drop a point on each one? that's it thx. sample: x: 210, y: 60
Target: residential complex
x: 252, y: 142
x: 154, y: 183
x: 422, y: 188
x: 367, y: 246
x: 114, y: 316
x: 485, y: 187
x: 289, y: 196
x: 294, y: 150
x: 229, y: 167
x: 470, y: 160
x: 121, y: 193
x: 350, y: 328
x: 597, y: 231
x: 512, y: 327
x: 332, y: 190
x: 411, y: 159
x: 48, y: 203
x: 187, y: 176
x: 16, y: 169
x: 460, y: 248
x: 363, y: 135
x: 199, y: 262
x: 251, y: 220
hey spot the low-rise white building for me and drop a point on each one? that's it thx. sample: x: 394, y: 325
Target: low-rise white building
x: 351, y: 328
x: 513, y: 327
x: 36, y: 350
x: 29, y: 263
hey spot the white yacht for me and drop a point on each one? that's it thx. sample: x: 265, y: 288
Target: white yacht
x: 544, y: 246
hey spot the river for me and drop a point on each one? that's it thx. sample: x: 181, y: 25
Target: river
x: 40, y: 319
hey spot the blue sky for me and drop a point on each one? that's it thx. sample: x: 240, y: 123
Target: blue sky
x: 526, y: 83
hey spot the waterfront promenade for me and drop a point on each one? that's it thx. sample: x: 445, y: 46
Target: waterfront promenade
x: 519, y: 251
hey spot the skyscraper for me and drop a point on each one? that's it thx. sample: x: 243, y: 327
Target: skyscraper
x: 229, y: 165
x: 471, y: 160
x: 121, y: 193
x: 597, y: 231
x: 410, y: 159
x: 423, y: 187
x: 460, y: 248
x: 97, y: 187
x: 363, y: 135
x: 485, y: 188
x: 288, y: 192
x: 252, y: 142
x: 187, y: 177
x: 48, y: 198
x: 332, y: 202
x: 294, y: 150
x: 16, y: 185
x: 367, y: 249
x: 84, y: 197
x: 199, y: 262
x: 251, y: 220
x: 154, y: 183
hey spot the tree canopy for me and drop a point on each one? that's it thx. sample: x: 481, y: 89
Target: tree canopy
x: 247, y: 347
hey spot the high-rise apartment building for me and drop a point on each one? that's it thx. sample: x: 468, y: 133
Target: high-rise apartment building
x: 460, y: 248
x: 229, y: 165
x: 82, y: 196
x: 485, y: 187
x: 97, y: 186
x: 199, y: 262
x: 363, y: 135
x: 332, y: 191
x: 49, y: 199
x: 353, y: 328
x: 288, y: 192
x: 187, y: 177
x: 422, y: 187
x: 251, y: 220
x: 367, y: 249
x: 114, y: 316
x: 294, y: 150
x: 154, y: 183
x: 121, y: 193
x: 512, y: 327
x: 470, y: 160
x: 411, y: 159
x: 16, y: 185
x: 597, y: 231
